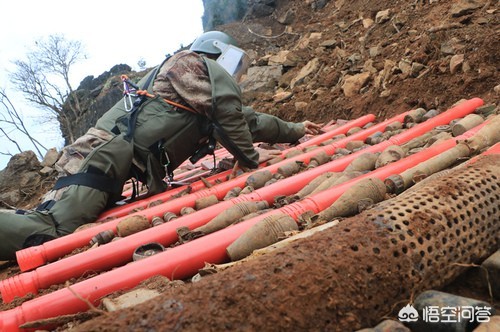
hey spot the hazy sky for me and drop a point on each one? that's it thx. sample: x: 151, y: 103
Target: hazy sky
x: 111, y: 31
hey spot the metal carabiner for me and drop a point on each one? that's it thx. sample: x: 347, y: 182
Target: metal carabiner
x: 129, y: 90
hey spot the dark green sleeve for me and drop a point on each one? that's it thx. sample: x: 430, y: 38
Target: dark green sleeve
x: 231, y: 128
x: 271, y: 129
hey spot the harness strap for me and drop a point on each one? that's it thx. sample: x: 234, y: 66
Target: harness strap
x: 97, y: 181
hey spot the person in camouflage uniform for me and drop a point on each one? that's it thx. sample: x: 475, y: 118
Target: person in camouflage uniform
x: 191, y: 98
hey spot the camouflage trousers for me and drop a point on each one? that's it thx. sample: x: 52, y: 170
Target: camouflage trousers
x: 72, y: 157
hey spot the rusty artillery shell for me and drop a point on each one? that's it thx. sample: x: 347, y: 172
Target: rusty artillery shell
x: 289, y: 169
x: 206, y: 201
x: 258, y: 179
x: 415, y: 116
x: 266, y: 232
x: 365, y: 162
x: 469, y: 122
x: 347, y: 204
x: 132, y: 225
x: 102, y: 237
x: 389, y: 155
x: 231, y: 215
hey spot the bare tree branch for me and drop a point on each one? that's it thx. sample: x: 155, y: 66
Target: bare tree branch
x: 11, y: 117
x: 44, y: 79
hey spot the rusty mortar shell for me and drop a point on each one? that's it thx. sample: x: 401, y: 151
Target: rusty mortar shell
x: 439, y: 136
x: 353, y: 130
x: 443, y: 128
x: 365, y: 162
x: 346, y: 176
x: 430, y: 114
x: 369, y: 139
x: 418, y: 142
x: 132, y: 225
x: 352, y: 145
x: 368, y: 125
x: 415, y: 116
x: 102, y: 237
x: 204, y: 202
x: 333, y: 139
x: 293, y: 153
x: 486, y: 136
x: 274, y: 161
x: 396, y: 125
x: 289, y: 169
x: 347, y: 204
x: 389, y: 155
x: 469, y: 122
x: 157, y: 221
x: 258, y: 179
x: 486, y: 110
x: 328, y: 183
x: 389, y: 134
x: 231, y: 215
x: 246, y: 190
x: 266, y: 232
x: 342, y: 151
x: 435, y: 164
x: 187, y: 210
x: 155, y: 203
x: 377, y: 140
x: 273, y: 180
x: 311, y: 148
x: 309, y: 188
x: 319, y: 159
x: 327, y: 142
x: 169, y: 216
x: 232, y: 193
x: 147, y: 250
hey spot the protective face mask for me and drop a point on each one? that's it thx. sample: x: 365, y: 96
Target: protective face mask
x: 233, y: 59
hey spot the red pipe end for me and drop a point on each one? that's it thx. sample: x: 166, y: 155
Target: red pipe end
x: 10, y: 320
x: 19, y: 286
x: 30, y: 258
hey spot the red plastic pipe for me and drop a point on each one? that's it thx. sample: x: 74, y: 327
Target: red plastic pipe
x: 33, y: 257
x: 184, y: 261
x: 220, y: 177
x: 117, y: 253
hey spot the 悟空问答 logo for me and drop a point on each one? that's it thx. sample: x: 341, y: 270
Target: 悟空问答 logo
x: 408, y: 314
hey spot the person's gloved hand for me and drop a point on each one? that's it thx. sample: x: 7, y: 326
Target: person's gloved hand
x: 312, y: 128
x: 265, y: 154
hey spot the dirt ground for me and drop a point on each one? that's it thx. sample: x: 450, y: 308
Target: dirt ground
x: 422, y: 32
